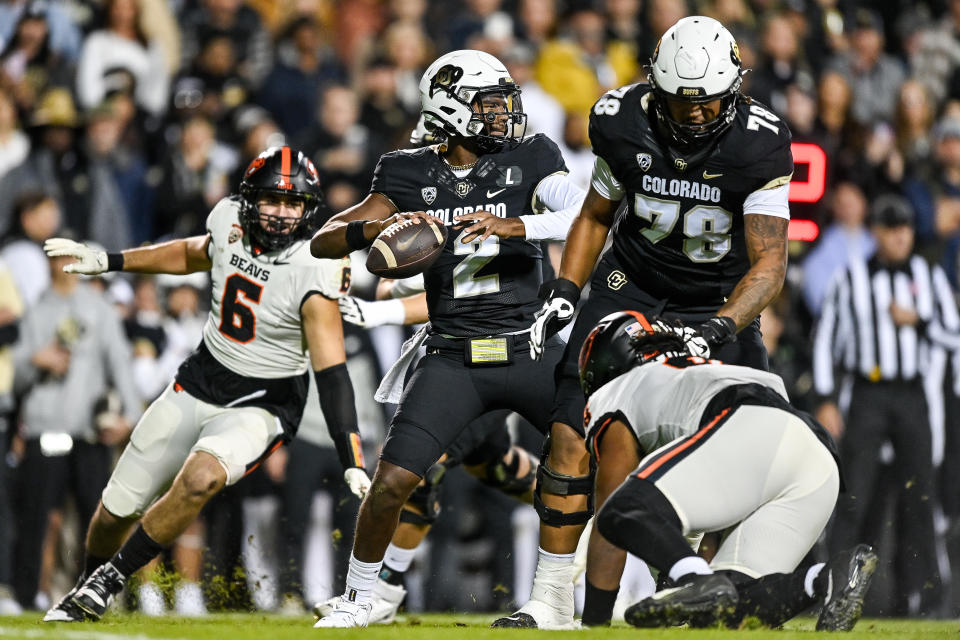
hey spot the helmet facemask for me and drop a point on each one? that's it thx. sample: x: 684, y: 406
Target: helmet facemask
x: 691, y: 136
x: 273, y: 232
x: 498, y: 120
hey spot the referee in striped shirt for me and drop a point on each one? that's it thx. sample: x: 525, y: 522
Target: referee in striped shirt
x: 878, y: 323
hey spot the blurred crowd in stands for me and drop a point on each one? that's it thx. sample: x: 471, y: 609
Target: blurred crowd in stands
x: 125, y: 121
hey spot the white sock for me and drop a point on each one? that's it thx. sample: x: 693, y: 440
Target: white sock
x: 398, y: 559
x: 812, y: 574
x: 553, y: 581
x: 361, y: 576
x: 690, y: 564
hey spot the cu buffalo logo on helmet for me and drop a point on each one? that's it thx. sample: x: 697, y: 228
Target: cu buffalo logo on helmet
x: 445, y: 79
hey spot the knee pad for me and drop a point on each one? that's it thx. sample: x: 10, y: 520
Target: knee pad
x: 425, y: 497
x: 500, y: 475
x: 560, y: 484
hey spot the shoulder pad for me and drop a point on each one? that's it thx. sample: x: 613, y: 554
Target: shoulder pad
x: 758, y: 141
x: 224, y: 216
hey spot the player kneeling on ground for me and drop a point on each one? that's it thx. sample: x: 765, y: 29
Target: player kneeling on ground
x: 241, y: 393
x: 705, y: 447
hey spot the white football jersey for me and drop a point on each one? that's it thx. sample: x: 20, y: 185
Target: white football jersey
x: 662, y: 402
x: 254, y: 325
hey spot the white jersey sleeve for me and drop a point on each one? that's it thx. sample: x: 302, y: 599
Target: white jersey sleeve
x: 660, y: 402
x: 254, y: 325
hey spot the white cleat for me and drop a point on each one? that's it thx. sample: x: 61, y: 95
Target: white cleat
x: 538, y: 615
x: 345, y: 615
x: 387, y: 599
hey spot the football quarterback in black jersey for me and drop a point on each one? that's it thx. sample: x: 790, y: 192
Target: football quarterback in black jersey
x: 702, y: 235
x: 488, y: 182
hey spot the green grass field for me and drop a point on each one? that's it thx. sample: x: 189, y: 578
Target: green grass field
x: 423, y: 627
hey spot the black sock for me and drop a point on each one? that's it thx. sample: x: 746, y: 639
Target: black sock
x: 91, y: 563
x: 391, y: 576
x: 598, y: 605
x: 136, y: 552
x: 774, y: 598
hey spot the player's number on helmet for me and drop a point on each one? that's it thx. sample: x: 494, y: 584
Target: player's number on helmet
x: 707, y: 228
x: 237, y: 320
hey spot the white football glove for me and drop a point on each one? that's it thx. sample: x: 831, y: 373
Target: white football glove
x: 696, y: 343
x: 90, y: 262
x: 561, y: 297
x: 358, y: 481
x: 371, y: 314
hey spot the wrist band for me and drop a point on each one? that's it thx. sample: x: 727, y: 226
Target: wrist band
x: 114, y: 262
x: 355, y: 238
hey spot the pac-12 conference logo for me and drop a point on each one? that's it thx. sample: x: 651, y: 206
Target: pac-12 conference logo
x: 644, y: 160
x: 429, y: 194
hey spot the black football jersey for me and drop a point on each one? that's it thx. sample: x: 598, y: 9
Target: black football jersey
x: 479, y: 288
x: 681, y: 235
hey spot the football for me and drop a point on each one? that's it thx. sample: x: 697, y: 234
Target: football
x: 406, y: 248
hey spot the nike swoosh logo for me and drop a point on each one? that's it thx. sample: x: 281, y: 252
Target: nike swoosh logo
x: 403, y: 245
x: 709, y: 176
x: 490, y: 194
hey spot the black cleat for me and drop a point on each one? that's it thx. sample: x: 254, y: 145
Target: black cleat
x: 848, y: 581
x: 66, y: 610
x: 700, y: 601
x: 98, y: 591
x: 515, y: 621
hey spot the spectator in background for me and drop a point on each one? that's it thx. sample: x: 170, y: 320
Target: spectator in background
x: 914, y: 120
x: 71, y: 350
x: 623, y: 22
x: 477, y: 17
x: 14, y: 143
x: 339, y: 145
x: 65, y: 35
x: 194, y: 179
x: 537, y: 21
x: 127, y: 165
x: 782, y: 62
x: 305, y: 64
x: 36, y: 217
x: 122, y: 44
x: 382, y: 113
x: 879, y: 317
x: 544, y: 113
x: 28, y: 63
x: 255, y: 131
x: 406, y: 46
x: 935, y: 196
x: 240, y: 24
x: 11, y: 308
x: 874, y: 76
x: 845, y: 238
x: 660, y: 15
x: 83, y: 187
x: 579, y: 66
x: 212, y: 86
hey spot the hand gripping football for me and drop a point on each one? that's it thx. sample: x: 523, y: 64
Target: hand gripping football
x: 406, y: 248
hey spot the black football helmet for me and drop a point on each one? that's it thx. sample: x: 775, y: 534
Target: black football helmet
x: 285, y: 171
x: 622, y: 341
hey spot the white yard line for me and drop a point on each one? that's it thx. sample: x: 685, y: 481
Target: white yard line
x: 10, y: 632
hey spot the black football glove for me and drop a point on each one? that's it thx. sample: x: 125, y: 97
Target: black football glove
x: 560, y: 298
x: 718, y: 331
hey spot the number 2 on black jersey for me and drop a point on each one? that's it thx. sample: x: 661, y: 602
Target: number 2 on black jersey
x: 237, y: 320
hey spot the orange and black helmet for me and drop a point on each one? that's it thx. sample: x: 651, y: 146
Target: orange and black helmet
x: 621, y: 341
x: 285, y: 171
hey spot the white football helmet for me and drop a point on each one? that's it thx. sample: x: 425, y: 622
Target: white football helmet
x: 696, y: 60
x: 470, y: 94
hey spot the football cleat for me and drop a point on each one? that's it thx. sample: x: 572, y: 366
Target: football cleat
x: 345, y: 615
x: 537, y: 615
x: 700, y: 601
x: 387, y: 599
x: 848, y: 580
x: 99, y: 590
x: 66, y: 609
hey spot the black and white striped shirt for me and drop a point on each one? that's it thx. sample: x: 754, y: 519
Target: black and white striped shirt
x: 856, y: 333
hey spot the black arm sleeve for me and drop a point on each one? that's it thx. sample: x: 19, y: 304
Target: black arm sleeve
x: 9, y: 333
x: 340, y: 412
